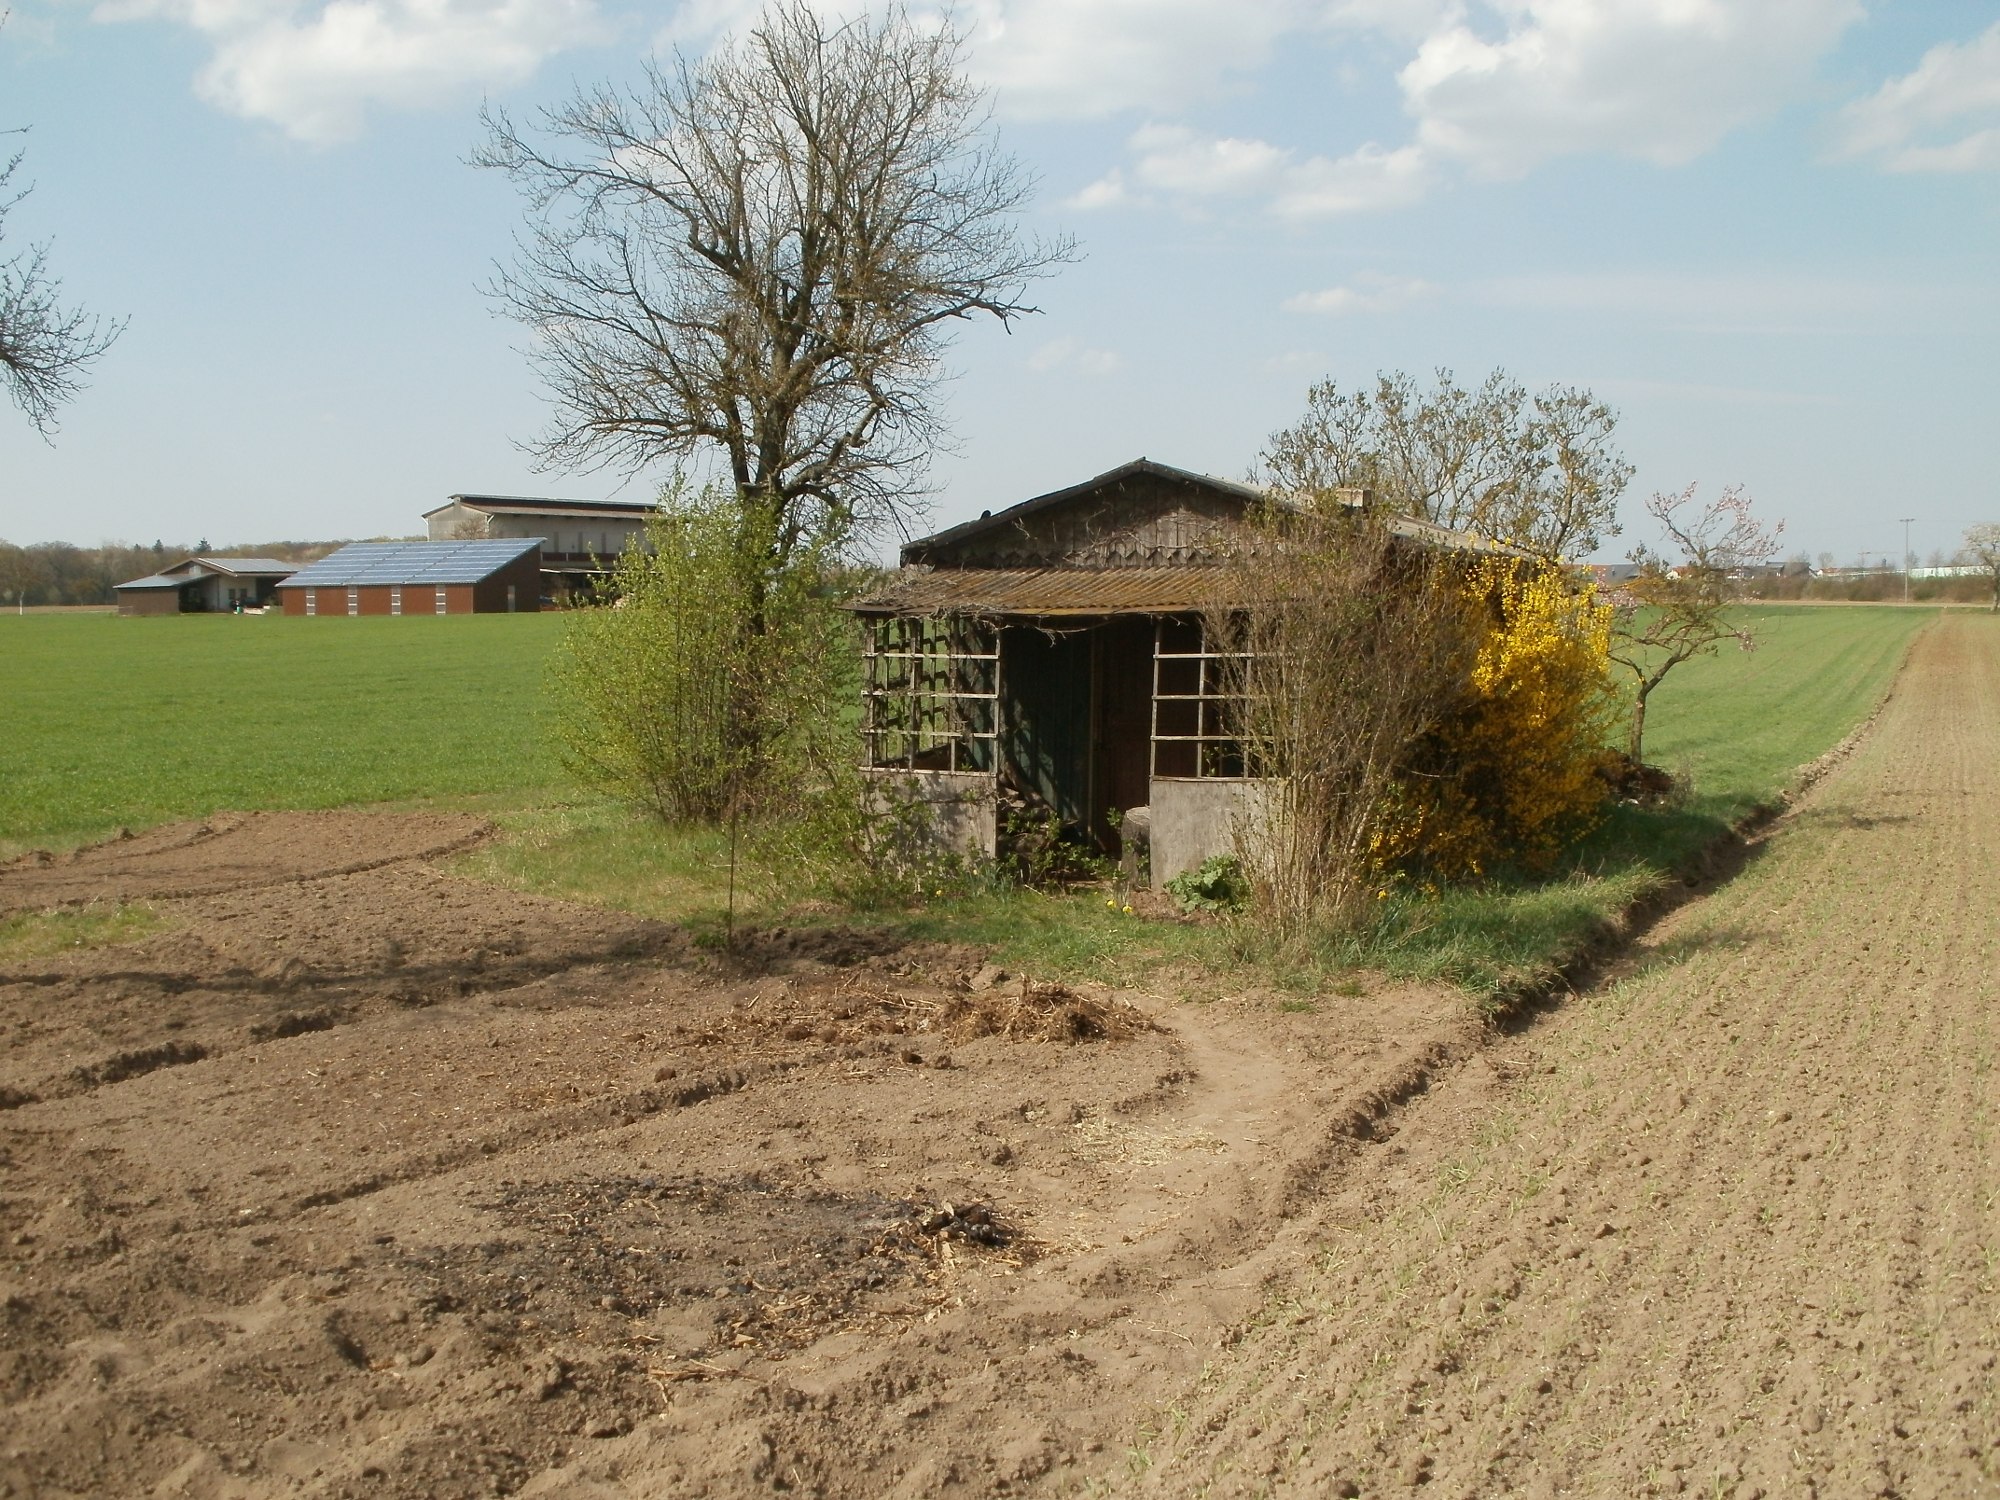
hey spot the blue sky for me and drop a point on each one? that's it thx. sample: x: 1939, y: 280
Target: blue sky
x: 1767, y: 231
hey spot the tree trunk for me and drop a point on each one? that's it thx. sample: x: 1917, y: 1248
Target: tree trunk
x: 1638, y: 725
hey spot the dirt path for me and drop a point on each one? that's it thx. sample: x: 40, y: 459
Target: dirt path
x: 1729, y: 1226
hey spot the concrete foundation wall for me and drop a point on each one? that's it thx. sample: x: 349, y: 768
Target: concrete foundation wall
x: 962, y: 806
x: 1196, y: 817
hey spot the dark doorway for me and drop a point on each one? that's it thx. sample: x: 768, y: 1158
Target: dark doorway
x: 1123, y: 722
x: 1046, y: 680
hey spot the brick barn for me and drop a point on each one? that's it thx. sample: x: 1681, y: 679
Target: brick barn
x: 485, y: 577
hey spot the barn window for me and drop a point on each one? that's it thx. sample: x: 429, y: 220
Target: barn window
x: 312, y: 601
x: 932, y: 694
x: 353, y: 600
x: 395, y: 598
x: 443, y: 603
x: 510, y: 598
x: 1197, y: 701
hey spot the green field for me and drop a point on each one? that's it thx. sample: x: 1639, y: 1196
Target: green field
x: 1743, y: 722
x: 109, y: 722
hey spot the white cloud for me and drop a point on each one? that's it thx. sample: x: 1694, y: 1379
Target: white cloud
x: 1941, y: 116
x: 1493, y: 87
x: 1108, y: 191
x: 1662, y: 80
x: 1189, y: 164
x: 1069, y: 59
x: 316, y: 70
x: 1088, y: 59
x: 1371, y: 292
x: 1073, y: 355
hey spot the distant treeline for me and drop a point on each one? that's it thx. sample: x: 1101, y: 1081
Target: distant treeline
x: 1883, y: 586
x: 60, y: 573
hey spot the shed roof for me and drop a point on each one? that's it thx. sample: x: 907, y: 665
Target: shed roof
x: 151, y: 581
x: 925, y: 549
x: 361, y: 563
x: 1045, y: 592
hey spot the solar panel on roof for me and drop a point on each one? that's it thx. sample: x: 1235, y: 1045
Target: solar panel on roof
x: 362, y: 563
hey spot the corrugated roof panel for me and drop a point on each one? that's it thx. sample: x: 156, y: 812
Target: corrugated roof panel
x: 360, y: 564
x: 155, y: 581
x: 1045, y: 592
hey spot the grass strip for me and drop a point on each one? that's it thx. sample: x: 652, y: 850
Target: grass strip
x: 40, y: 934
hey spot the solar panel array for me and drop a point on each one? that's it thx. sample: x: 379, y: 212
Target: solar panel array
x: 363, y: 563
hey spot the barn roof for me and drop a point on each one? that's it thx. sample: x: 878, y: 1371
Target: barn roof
x: 361, y: 563
x: 192, y: 569
x: 619, y: 510
x: 237, y: 567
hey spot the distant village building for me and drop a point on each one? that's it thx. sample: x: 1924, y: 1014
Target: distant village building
x: 204, y: 585
x: 1054, y: 655
x: 580, y: 538
x: 494, y: 576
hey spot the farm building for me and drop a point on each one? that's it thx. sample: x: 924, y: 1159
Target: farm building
x: 1053, y: 655
x: 579, y: 537
x: 204, y: 585
x: 420, y: 578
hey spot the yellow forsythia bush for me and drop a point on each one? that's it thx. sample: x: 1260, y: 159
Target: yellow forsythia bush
x: 1512, y: 775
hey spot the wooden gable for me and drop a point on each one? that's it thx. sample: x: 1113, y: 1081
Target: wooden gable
x: 1141, y: 515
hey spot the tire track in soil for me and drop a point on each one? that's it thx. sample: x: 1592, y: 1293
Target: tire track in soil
x: 1726, y: 1226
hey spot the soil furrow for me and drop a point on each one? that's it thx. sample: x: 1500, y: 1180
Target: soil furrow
x: 1726, y: 1226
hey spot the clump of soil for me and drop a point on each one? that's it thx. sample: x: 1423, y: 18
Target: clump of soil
x: 1027, y: 1011
x: 1629, y: 780
x: 731, y: 1262
x: 857, y: 1006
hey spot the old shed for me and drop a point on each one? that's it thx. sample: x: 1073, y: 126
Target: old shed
x: 1054, y: 654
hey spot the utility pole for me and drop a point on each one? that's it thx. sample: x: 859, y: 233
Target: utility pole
x: 1906, y: 557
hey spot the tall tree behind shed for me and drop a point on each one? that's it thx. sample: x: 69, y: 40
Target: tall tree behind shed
x: 1537, y: 470
x: 762, y: 253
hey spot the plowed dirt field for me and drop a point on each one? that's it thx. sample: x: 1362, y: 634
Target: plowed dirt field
x: 1729, y: 1225
x: 364, y: 1180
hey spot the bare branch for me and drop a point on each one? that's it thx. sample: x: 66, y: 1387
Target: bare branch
x: 45, y: 347
x: 1983, y: 542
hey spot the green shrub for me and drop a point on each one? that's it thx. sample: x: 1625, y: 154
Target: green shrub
x: 1217, y: 884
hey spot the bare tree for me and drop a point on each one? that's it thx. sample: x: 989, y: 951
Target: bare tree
x: 1673, y: 611
x: 1540, y: 471
x: 1983, y: 543
x: 762, y: 252
x: 45, y: 347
